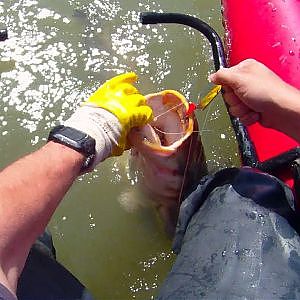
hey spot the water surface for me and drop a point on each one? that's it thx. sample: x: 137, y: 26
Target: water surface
x: 58, y: 53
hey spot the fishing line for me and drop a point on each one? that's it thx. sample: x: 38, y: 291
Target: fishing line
x: 165, y: 112
x: 189, y: 149
x: 186, y: 170
x: 181, y: 132
x: 164, y: 132
x: 184, y: 173
x: 188, y: 156
x: 190, y: 146
x: 206, y: 118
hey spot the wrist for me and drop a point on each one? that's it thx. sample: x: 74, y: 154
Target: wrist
x: 66, y: 157
x: 101, y: 125
x: 286, y: 117
x: 76, y: 140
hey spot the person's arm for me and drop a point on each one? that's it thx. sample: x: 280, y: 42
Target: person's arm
x: 30, y: 190
x: 254, y: 93
x: 32, y: 187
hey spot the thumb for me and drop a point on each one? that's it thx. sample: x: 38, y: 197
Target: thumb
x: 130, y: 78
x: 225, y: 76
x: 142, y: 115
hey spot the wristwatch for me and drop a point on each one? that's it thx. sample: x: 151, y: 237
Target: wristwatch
x: 75, y: 139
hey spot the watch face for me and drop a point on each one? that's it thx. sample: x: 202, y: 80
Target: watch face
x: 75, y: 135
x: 74, y: 139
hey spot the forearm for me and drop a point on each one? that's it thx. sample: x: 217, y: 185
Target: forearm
x: 255, y: 93
x: 286, y: 116
x: 30, y: 190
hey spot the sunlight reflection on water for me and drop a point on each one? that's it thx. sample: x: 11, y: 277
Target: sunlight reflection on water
x: 58, y: 53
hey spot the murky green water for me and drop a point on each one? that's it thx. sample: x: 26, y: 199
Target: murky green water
x: 57, y: 54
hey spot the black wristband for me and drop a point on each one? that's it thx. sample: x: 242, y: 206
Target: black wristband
x: 76, y: 140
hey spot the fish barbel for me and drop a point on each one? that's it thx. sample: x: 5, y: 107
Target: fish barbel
x: 169, y: 154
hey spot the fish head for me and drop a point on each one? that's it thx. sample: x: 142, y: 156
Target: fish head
x: 166, y: 151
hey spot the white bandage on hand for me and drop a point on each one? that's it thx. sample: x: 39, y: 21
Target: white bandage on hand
x: 101, y: 125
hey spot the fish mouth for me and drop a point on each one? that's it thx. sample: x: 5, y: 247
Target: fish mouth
x: 170, y: 126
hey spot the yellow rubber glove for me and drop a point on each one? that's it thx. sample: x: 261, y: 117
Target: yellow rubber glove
x: 121, y: 98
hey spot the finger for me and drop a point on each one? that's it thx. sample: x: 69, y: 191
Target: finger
x: 226, y: 89
x: 230, y: 97
x: 127, y: 88
x: 142, y: 116
x: 225, y: 76
x: 130, y: 77
x: 119, y: 79
x: 250, y: 118
x: 136, y: 100
x: 239, y: 110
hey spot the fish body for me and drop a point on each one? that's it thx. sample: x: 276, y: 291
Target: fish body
x: 169, y: 154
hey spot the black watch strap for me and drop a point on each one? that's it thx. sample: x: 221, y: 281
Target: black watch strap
x: 75, y: 139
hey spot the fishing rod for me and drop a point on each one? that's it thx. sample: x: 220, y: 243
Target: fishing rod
x: 246, y: 148
x: 204, y: 28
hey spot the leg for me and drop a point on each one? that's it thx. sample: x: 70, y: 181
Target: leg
x: 44, y: 278
x: 235, y: 240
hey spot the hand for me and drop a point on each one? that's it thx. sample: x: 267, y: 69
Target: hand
x: 110, y: 113
x: 120, y: 97
x: 254, y: 93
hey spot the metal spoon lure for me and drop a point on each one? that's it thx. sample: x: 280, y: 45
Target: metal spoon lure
x: 205, y: 98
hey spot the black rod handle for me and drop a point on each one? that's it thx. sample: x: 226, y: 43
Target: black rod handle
x: 204, y: 28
